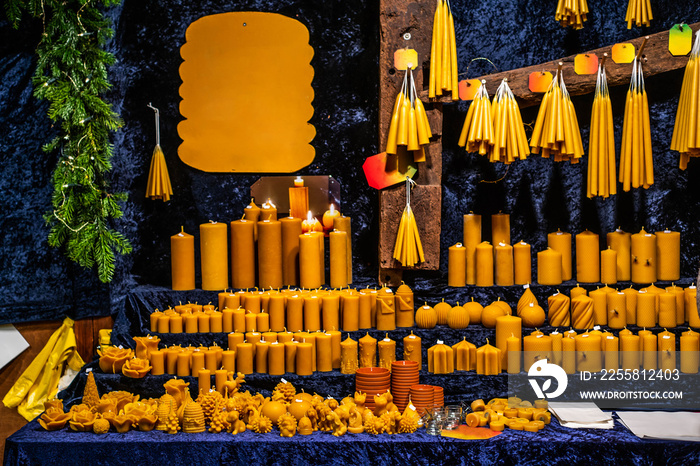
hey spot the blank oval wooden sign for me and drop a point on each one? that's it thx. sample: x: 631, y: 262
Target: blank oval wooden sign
x: 246, y: 94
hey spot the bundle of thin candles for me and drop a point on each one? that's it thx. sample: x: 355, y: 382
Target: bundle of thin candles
x: 572, y: 13
x: 409, y: 123
x: 408, y: 249
x: 638, y: 13
x: 510, y: 141
x: 443, y: 53
x: 158, y: 186
x: 477, y: 131
x: 602, y: 179
x: 686, y: 131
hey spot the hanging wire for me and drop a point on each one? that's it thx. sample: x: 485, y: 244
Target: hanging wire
x: 157, y: 123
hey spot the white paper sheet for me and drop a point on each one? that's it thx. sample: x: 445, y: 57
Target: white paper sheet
x: 585, y: 415
x: 12, y: 344
x: 662, y: 425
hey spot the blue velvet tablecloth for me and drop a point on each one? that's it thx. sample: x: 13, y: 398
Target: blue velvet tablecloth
x: 553, y: 445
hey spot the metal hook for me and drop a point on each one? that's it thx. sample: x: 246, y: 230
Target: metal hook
x: 157, y: 123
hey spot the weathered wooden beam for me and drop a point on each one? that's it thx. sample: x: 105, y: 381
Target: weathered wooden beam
x: 657, y: 60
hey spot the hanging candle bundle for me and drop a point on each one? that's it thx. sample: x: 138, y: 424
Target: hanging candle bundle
x: 686, y: 138
x: 477, y: 132
x: 409, y: 123
x: 602, y: 178
x: 510, y: 141
x: 572, y: 13
x: 638, y: 13
x: 158, y: 186
x: 556, y: 132
x: 408, y: 249
x: 443, y: 53
x: 636, y: 163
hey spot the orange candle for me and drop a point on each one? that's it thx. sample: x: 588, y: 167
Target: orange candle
x: 500, y: 228
x: 561, y: 242
x: 182, y: 261
x: 611, y: 353
x: 368, y: 351
x: 691, y: 306
x: 269, y: 254
x: 338, y: 259
x: 504, y: 264
x: 220, y: 377
x: 275, y: 359
x: 197, y: 361
x: 387, y: 352
x: 290, y: 356
x: 631, y: 305
x: 649, y: 356
x: 175, y: 324
x: 620, y: 242
x: 568, y: 356
x: 608, y: 266
x: 183, y: 364
x: 242, y: 254
x: 559, y: 306
x: 690, y: 347
x: 268, y: 211
x: 646, y: 309
x: 227, y: 320
x: 667, y: 310
x: 312, y: 313
x: 330, y: 309
x: 324, y: 353
x: 295, y: 313
x: 253, y: 338
x: 309, y: 261
x: 214, y: 255
x: 643, y: 257
x: 457, y: 265
x: 668, y: 255
x: 262, y: 322
x: 343, y: 223
x: 522, y: 263
x: 328, y: 217
x: 386, y: 310
x: 204, y: 381
x: 153, y: 320
x: 239, y: 320
x: 488, y: 360
x: 484, y: 264
x: 303, y: 359
x: 244, y: 358
x: 276, y: 309
x: 582, y: 312
x: 298, y: 198
x: 617, y: 309
x: 412, y: 349
x: 284, y: 337
x: 203, y: 321
x: 261, y: 349
x: 291, y: 230
x: 629, y: 347
x: 557, y: 346
x: 164, y: 323
x: 587, y: 257
x: 348, y: 356
x: 157, y: 358
x: 678, y: 292
x: 216, y: 322
x: 549, y: 267
x: 252, y: 213
x: 536, y: 347
x: 228, y: 360
x: 404, y: 306
x: 335, y: 348
x: 507, y: 326
x: 471, y: 238
x: 667, y: 351
x: 588, y: 354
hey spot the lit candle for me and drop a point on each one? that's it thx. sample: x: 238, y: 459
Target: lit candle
x: 214, y: 255
x: 404, y: 306
x: 561, y: 242
x: 620, y: 242
x: 368, y: 351
x: 506, y: 326
x: 275, y: 359
x: 268, y: 211
x: 329, y: 216
x: 387, y: 352
x: 242, y: 254
x: 348, y: 356
x: 457, y: 265
x: 386, y: 310
x: 668, y: 255
x: 269, y: 254
x: 484, y: 264
x: 587, y: 257
x: 643, y: 257
x: 204, y: 381
x: 244, y: 358
x: 440, y: 359
x: 500, y: 228
x: 471, y: 238
x: 338, y: 258
x: 522, y: 260
x: 549, y: 267
x: 157, y: 358
x: 608, y: 266
x: 182, y: 260
x: 488, y: 360
x: 617, y: 309
x: 667, y: 310
x: 504, y: 264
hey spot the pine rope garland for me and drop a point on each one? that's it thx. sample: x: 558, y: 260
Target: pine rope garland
x: 71, y: 74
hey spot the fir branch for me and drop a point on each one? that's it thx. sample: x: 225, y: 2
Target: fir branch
x: 71, y: 75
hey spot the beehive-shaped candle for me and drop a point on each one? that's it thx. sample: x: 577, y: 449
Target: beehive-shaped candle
x: 464, y: 356
x: 441, y: 359
x: 404, y: 306
x: 193, y: 421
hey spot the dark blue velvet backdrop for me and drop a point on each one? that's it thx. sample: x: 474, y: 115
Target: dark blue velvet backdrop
x: 39, y: 282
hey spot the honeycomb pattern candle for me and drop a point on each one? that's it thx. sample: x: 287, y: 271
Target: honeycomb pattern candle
x: 691, y: 306
x: 611, y: 353
x: 629, y: 347
x: 690, y: 348
x: 587, y: 257
x: 600, y: 306
x: 522, y: 263
x: 646, y: 309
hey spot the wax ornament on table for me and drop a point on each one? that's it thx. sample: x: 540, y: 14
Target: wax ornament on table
x: 571, y: 13
x: 602, y: 179
x: 556, y: 133
x: 685, y: 134
x: 409, y: 125
x: 408, y: 249
x: 477, y: 132
x: 638, y: 13
x: 443, y: 54
x: 636, y: 162
x: 158, y: 186
x: 509, y: 141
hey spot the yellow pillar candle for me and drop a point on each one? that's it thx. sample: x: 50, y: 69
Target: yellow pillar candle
x: 387, y: 352
x: 559, y: 305
x: 582, y: 312
x: 568, y: 356
x: 252, y: 214
x: 464, y: 355
x: 348, y: 356
x: 242, y: 254
x: 642, y: 334
x: 600, y: 306
x: 404, y: 306
x: 163, y: 323
x: 471, y: 238
x: 220, y: 377
x: 667, y: 351
x: 457, y: 265
x: 197, y: 361
x: 620, y: 242
x: 203, y: 321
x: 215, y: 322
x: 284, y: 337
x: 338, y: 259
x: 643, y: 251
x: 253, y: 338
x: 488, y: 360
x: 668, y: 255
x: 228, y: 360
x: 484, y: 264
x: 309, y: 261
x: 184, y: 359
x: 612, y: 362
x: 275, y: 359
x: 343, y: 223
x: 269, y: 254
x: 244, y: 358
x: 678, y: 292
x: 549, y: 267
x: 507, y: 326
x: 368, y: 351
x: 587, y: 257
x: 204, y: 381
x: 324, y: 353
x: 504, y: 264
x: 304, y: 356
x: 268, y: 211
x: 238, y: 319
x: 629, y: 346
x: 230, y: 300
x: 560, y: 241
x: 649, y: 354
x: 351, y: 311
x: 153, y: 320
x: 631, y: 305
x: 412, y: 349
x: 295, y: 313
x: 577, y: 291
x: 227, y: 320
x: 500, y: 228
x: 646, y: 309
x: 667, y: 310
x: 312, y: 313
x: 441, y: 359
x: 557, y: 339
x: 214, y: 255
x: 210, y: 360
x: 608, y: 266
x: 182, y: 261
x: 157, y: 358
x: 175, y: 324
x: 291, y: 230
x: 251, y: 322
x: 268, y: 336
x: 522, y: 263
x: 372, y: 303
x: 365, y: 310
x: 305, y: 337
x: 335, y: 348
x: 617, y: 309
x: 386, y: 310
x: 536, y: 347
x: 262, y: 322
x: 290, y: 356
x: 588, y: 354
x: 690, y: 352
x: 276, y: 310
x: 330, y: 309
x: 513, y: 354
x: 691, y: 306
